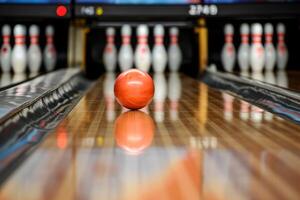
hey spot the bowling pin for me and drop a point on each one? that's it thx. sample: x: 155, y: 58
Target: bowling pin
x: 270, y: 54
x: 18, y: 56
x: 159, y: 53
x: 244, y: 49
x: 125, y: 57
x: 142, y: 56
x: 257, y: 53
x: 6, y: 49
x: 174, y: 94
x: 174, y: 52
x: 108, y: 89
x: 228, y: 51
x: 34, y: 54
x: 50, y: 51
x: 110, y: 51
x: 282, y: 51
x: 160, y: 95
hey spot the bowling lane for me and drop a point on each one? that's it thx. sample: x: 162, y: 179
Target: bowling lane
x: 192, y: 142
x: 281, y: 78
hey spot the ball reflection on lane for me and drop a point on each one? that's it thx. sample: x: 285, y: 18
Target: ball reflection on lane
x: 134, y: 131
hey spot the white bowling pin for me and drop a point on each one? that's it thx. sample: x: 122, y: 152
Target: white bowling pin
x: 50, y: 51
x: 160, y: 95
x: 228, y: 51
x: 244, y: 49
x: 6, y: 49
x: 34, y: 54
x: 110, y: 51
x: 109, y: 96
x: 125, y: 57
x: 159, y: 53
x: 174, y: 94
x: 270, y: 54
x: 174, y: 51
x: 282, y: 51
x: 18, y: 56
x: 257, y: 52
x: 142, y: 56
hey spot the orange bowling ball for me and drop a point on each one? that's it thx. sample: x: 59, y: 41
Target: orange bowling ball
x: 134, y: 131
x: 134, y: 89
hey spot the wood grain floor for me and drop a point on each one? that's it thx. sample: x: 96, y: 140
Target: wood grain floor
x: 192, y: 143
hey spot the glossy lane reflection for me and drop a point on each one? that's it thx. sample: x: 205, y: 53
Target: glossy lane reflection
x: 200, y: 155
x: 134, y: 131
x: 160, y: 95
x: 174, y: 94
x: 108, y: 93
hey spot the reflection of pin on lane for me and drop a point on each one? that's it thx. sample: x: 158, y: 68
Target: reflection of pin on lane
x: 174, y: 94
x: 282, y: 81
x: 244, y: 106
x: 160, y: 95
x: 228, y: 51
x: 269, y: 78
x: 228, y: 106
x: 244, y: 110
x: 256, y: 112
x: 108, y: 89
x: 134, y: 131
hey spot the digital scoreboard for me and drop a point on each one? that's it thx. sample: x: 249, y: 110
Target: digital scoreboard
x: 35, y: 8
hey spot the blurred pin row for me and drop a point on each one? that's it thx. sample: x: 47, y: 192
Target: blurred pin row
x: 143, y: 57
x: 255, y: 55
x: 17, y: 57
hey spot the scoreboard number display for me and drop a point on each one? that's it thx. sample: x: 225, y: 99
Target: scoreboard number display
x: 200, y: 10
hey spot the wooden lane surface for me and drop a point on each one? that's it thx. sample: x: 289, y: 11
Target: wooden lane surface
x: 213, y: 148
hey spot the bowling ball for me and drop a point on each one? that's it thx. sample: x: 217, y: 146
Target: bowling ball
x: 134, y: 131
x: 134, y: 89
